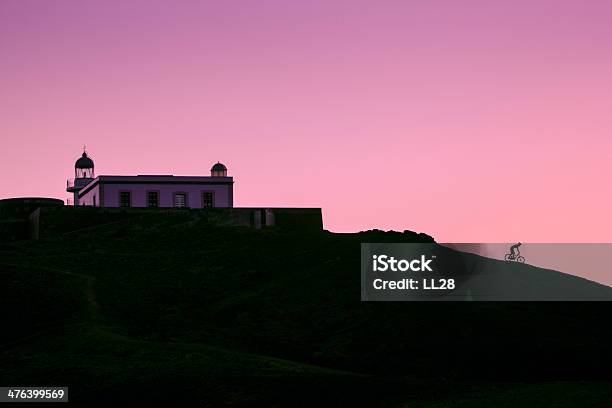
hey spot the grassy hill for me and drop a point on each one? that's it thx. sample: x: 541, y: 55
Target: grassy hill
x: 176, y: 309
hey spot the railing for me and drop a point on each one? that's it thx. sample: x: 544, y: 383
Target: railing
x: 69, y: 201
x: 70, y: 183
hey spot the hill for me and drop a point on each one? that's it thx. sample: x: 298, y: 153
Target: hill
x: 168, y: 308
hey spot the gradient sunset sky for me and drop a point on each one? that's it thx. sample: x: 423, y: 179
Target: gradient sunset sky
x: 484, y: 121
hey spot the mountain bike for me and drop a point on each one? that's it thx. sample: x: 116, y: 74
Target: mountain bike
x: 514, y: 258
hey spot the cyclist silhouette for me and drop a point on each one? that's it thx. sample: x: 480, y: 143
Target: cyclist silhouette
x: 515, y: 254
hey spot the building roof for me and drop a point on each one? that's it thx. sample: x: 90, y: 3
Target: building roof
x: 155, y: 179
x: 84, y: 162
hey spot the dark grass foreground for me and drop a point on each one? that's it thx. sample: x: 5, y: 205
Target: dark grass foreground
x: 175, y: 311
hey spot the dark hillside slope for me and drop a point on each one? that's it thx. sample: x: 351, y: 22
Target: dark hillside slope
x: 172, y: 298
x: 480, y: 278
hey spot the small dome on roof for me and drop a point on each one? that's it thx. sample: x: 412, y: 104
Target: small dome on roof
x: 218, y: 167
x: 84, y: 162
x: 218, y: 170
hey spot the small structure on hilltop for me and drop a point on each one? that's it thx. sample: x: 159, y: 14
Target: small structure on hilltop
x: 150, y: 191
x: 15, y: 215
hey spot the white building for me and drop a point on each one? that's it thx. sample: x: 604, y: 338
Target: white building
x: 150, y: 191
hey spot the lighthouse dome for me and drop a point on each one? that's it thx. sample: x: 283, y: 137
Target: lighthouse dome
x: 84, y: 162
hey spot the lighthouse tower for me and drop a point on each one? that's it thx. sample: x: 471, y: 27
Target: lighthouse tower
x: 83, y: 174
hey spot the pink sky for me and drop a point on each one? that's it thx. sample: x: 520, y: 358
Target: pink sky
x: 487, y: 121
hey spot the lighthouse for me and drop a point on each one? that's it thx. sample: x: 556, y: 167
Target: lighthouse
x: 150, y: 190
x: 83, y: 174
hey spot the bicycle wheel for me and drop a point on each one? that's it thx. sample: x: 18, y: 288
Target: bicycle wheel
x: 520, y: 259
x: 508, y: 257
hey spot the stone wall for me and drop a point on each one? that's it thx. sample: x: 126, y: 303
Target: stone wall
x: 49, y: 222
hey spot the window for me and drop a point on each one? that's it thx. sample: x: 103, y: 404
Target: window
x: 152, y: 199
x: 125, y: 199
x: 94, y: 201
x: 180, y: 200
x: 207, y: 199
